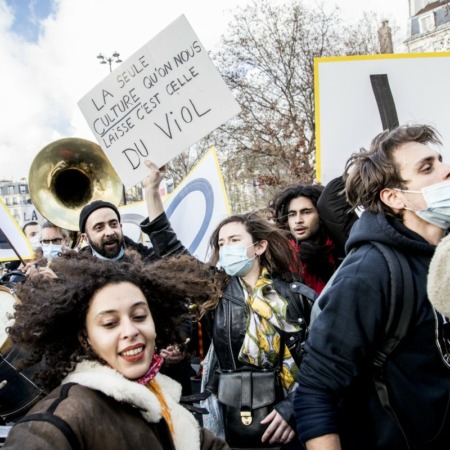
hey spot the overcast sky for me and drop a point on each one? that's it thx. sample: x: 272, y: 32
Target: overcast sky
x: 48, y: 52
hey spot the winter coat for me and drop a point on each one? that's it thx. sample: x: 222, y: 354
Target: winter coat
x: 336, y: 392
x: 438, y: 286
x: 97, y: 408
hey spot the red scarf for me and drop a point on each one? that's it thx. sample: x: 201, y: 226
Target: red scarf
x: 155, y: 365
x: 310, y: 278
x: 147, y: 380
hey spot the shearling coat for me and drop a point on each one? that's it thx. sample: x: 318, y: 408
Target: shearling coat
x: 438, y: 286
x: 97, y: 408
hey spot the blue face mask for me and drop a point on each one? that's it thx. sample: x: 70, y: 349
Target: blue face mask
x: 51, y: 251
x: 234, y: 260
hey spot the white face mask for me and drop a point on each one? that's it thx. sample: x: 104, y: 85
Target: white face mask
x: 437, y: 197
x: 51, y: 251
x: 35, y: 241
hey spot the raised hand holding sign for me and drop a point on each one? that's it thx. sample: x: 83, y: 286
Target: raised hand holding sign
x: 159, y: 102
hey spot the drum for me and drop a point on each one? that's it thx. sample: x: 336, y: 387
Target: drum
x: 7, y: 301
x: 17, y: 392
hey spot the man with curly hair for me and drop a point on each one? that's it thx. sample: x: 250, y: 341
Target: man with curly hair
x: 296, y: 212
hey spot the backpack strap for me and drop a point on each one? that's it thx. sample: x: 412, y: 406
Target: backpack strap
x: 402, y: 301
x: 401, y: 311
x: 50, y: 417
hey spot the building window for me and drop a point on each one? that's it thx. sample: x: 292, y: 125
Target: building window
x: 427, y: 23
x: 7, y: 201
x: 14, y: 200
x: 23, y: 188
x: 10, y: 190
x: 418, y: 5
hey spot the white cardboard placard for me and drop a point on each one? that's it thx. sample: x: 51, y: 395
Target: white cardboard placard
x: 158, y: 102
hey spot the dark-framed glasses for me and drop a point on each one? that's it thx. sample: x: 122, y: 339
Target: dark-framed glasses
x: 56, y: 241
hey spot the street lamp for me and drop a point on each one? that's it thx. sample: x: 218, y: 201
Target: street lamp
x: 104, y: 59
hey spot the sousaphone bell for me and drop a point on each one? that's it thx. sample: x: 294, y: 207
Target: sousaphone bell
x: 68, y: 174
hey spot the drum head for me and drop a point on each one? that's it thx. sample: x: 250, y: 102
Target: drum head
x: 7, y: 302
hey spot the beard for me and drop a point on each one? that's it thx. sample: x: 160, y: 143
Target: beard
x: 109, y: 248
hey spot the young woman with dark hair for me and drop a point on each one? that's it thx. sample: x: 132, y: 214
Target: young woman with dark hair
x: 260, y: 301
x: 251, y: 299
x: 95, y: 327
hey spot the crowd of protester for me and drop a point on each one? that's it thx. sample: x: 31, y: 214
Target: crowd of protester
x: 108, y: 327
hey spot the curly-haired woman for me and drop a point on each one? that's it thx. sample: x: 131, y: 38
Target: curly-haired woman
x: 95, y: 327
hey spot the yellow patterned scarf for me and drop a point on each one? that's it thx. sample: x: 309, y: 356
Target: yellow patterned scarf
x: 267, y: 310
x: 165, y: 412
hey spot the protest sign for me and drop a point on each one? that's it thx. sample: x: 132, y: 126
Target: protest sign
x: 11, y: 235
x: 359, y: 96
x: 157, y: 103
x: 194, y: 208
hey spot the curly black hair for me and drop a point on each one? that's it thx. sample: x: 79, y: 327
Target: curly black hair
x: 51, y: 315
x: 313, y: 251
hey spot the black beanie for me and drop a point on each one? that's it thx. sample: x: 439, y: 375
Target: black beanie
x: 91, y: 207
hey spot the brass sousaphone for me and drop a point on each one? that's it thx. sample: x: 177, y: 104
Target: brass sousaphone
x: 67, y: 175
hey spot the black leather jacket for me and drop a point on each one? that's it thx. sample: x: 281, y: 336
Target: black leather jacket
x: 230, y: 326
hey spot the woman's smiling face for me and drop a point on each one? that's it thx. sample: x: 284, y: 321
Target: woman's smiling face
x: 120, y: 329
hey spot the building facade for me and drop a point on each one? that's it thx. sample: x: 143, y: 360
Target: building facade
x: 429, y: 26
x: 16, y: 196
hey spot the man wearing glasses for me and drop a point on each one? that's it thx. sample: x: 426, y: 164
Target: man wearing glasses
x: 54, y: 240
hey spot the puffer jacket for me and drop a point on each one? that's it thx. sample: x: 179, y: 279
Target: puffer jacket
x: 97, y: 408
x: 230, y: 327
